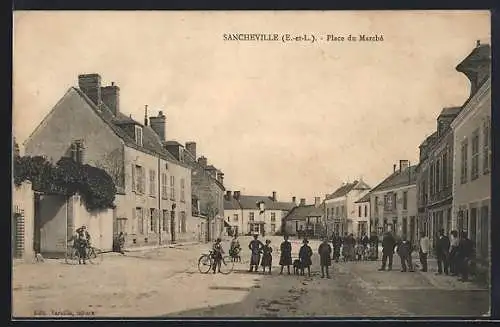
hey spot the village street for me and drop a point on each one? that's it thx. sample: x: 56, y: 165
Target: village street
x: 166, y: 282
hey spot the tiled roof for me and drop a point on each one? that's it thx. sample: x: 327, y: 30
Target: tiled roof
x: 398, y: 179
x: 365, y: 198
x: 250, y: 202
x: 450, y: 111
x: 480, y: 53
x: 151, y: 142
x: 231, y: 204
x: 302, y: 212
x: 344, y: 189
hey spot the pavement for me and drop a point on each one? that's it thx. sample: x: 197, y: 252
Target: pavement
x: 165, y: 282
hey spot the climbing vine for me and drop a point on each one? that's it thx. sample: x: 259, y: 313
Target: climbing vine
x: 67, y: 177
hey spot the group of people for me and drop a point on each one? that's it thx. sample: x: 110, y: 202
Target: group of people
x: 355, y: 249
x: 81, y: 242
x: 454, y: 254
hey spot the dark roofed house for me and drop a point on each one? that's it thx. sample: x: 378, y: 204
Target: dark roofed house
x: 305, y: 221
x: 134, y: 155
x: 255, y: 213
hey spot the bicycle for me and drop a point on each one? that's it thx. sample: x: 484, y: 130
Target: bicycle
x: 206, y: 263
x: 94, y: 255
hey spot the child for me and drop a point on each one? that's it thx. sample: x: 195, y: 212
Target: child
x: 286, y: 254
x: 305, y: 255
x: 325, y: 251
x: 234, y: 250
x: 267, y: 258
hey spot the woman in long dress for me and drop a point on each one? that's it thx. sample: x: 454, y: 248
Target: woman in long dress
x: 286, y: 254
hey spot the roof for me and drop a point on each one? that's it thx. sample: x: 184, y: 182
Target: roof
x: 398, y: 179
x: 479, y: 53
x: 231, y: 204
x: 173, y: 143
x: 365, y: 198
x: 302, y: 212
x: 250, y: 202
x: 344, y: 189
x: 151, y: 142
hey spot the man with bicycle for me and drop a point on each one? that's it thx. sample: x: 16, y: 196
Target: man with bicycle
x: 82, y: 243
x: 217, y: 253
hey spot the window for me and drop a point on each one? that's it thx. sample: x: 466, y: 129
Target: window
x: 438, y: 180
x: 152, y: 220
x: 165, y: 221
x: 343, y: 211
x: 140, y: 220
x: 366, y: 210
x: 359, y: 210
x: 405, y: 200
x: 273, y: 216
x: 376, y: 205
x: 484, y: 230
x: 445, y: 170
x: 164, y: 186
x: 273, y: 228
x: 235, y: 217
x: 475, y: 156
x: 152, y: 182
x: 390, y: 201
x: 172, y: 187
x: 486, y: 146
x: 251, y: 216
x: 183, y: 222
x: 404, y: 228
x: 463, y: 156
x: 138, y: 181
x: 431, y: 179
x: 336, y: 211
x: 77, y: 151
x: 183, y: 189
x: 138, y: 135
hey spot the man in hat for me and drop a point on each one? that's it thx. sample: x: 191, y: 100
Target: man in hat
x: 305, y: 254
x: 325, y: 251
x: 442, y: 252
x: 255, y: 247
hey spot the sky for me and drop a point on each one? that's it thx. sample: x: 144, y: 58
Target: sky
x: 296, y: 118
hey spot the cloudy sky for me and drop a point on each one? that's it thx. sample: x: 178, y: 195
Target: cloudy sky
x: 296, y: 118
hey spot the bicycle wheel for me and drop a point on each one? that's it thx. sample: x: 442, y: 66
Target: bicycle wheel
x: 71, y: 256
x: 226, y: 265
x: 95, y: 255
x: 204, y: 264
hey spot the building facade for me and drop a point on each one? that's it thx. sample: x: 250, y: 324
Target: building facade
x: 472, y: 159
x: 362, y: 210
x: 249, y: 214
x: 153, y: 200
x: 340, y: 207
x: 393, y: 203
x: 306, y: 220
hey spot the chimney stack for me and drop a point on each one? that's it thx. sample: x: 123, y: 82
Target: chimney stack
x: 274, y: 196
x: 228, y: 195
x: 90, y: 84
x: 202, y: 161
x: 394, y: 168
x: 110, y: 95
x: 237, y: 195
x: 294, y: 200
x: 158, y: 124
x: 191, y: 147
x: 317, y: 201
x: 146, y: 115
x: 403, y: 165
x: 302, y: 202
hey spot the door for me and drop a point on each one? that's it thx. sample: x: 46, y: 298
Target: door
x: 172, y: 226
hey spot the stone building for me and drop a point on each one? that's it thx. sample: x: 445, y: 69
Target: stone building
x: 207, y: 186
x: 393, y: 202
x: 153, y: 202
x: 472, y: 162
x: 255, y: 213
x: 435, y: 177
x: 306, y: 220
x: 341, y: 214
x: 362, y: 211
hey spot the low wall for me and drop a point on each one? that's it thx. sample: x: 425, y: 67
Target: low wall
x: 23, y: 201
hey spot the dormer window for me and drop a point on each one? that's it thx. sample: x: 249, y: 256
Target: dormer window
x: 138, y: 135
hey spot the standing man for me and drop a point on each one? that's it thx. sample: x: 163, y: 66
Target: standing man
x: 388, y: 245
x: 424, y: 251
x: 374, y: 246
x: 404, y: 252
x: 255, y: 247
x: 337, y: 244
x: 442, y: 252
x: 465, y: 255
x: 454, y: 241
x: 286, y: 254
x: 325, y: 252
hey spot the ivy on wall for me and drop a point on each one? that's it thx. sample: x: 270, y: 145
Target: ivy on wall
x: 67, y: 177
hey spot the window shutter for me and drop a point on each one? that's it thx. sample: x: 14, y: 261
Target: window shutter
x: 134, y: 219
x: 133, y: 179
x: 143, y: 180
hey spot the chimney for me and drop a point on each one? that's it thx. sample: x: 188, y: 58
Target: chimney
x: 146, y: 115
x: 317, y: 202
x: 478, y: 43
x: 302, y: 202
x: 237, y: 195
x: 394, y: 168
x: 274, y: 196
x: 158, y: 124
x: 202, y: 161
x: 90, y: 84
x: 191, y: 147
x: 221, y: 178
x: 403, y: 165
x: 110, y: 95
x: 294, y: 200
